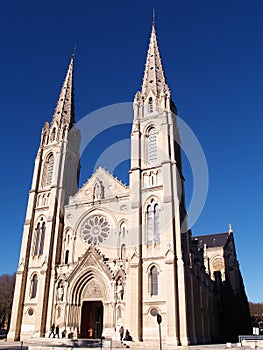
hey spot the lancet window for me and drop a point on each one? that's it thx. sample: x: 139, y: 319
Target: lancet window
x: 153, y: 279
x: 34, y: 282
x: 40, y: 232
x: 50, y: 166
x: 48, y: 171
x: 66, y: 256
x: 152, y: 145
x: 153, y: 223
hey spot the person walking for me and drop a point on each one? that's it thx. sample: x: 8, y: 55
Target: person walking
x: 121, y: 331
x: 52, y: 330
x: 57, y: 331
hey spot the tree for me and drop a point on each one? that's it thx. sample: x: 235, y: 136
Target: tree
x: 256, y: 312
x: 256, y: 309
x: 7, y: 286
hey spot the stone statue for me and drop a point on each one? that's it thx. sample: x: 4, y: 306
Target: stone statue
x: 60, y: 292
x: 119, y: 291
x: 98, y: 190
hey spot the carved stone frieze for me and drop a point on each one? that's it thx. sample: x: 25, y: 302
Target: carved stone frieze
x: 93, y: 290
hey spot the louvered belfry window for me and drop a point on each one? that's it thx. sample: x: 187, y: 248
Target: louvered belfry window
x: 50, y: 166
x: 152, y: 146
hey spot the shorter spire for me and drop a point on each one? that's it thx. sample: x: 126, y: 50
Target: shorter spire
x: 64, y: 111
x: 230, y: 228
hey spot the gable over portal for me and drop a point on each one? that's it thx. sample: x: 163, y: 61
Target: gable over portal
x: 101, y: 186
x: 90, y: 278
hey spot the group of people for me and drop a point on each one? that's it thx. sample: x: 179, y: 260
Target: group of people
x: 54, y: 331
x: 127, y: 336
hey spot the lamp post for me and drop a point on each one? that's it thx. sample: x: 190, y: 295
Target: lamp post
x: 159, y: 321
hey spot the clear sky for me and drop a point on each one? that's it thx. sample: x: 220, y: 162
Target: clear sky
x: 212, y: 53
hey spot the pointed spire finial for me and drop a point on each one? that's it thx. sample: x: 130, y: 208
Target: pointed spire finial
x: 153, y: 22
x: 230, y: 229
x: 74, y: 51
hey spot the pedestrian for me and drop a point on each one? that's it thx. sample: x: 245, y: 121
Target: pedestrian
x: 127, y: 336
x: 121, y: 331
x: 57, y: 331
x: 52, y: 330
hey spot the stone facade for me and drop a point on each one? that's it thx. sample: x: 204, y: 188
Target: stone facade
x: 105, y: 255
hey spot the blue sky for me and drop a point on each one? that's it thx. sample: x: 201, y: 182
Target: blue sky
x: 212, y: 53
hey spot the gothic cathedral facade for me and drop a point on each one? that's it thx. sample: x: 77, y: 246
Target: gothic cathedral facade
x: 79, y: 267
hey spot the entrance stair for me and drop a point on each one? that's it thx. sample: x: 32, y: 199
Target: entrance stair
x: 67, y: 344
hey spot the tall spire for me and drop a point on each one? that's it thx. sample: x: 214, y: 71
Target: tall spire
x: 64, y: 111
x: 154, y: 78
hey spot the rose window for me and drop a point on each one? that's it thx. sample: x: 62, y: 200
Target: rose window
x: 218, y: 263
x: 95, y: 230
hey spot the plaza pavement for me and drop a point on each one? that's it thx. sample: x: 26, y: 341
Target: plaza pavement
x: 116, y: 345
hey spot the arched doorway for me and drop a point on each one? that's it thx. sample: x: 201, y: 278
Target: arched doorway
x: 91, y: 319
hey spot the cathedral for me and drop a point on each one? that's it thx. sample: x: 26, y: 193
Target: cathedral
x: 108, y: 255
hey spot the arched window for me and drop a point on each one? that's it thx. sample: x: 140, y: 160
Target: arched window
x: 123, y: 251
x: 152, y: 146
x: 39, y: 200
x: 66, y: 256
x: 44, y: 200
x: 153, y: 223
x: 39, y: 238
x: 149, y: 224
x: 43, y: 232
x: 48, y: 171
x: 34, y: 286
x: 53, y: 134
x: 50, y: 166
x: 156, y: 223
x: 153, y: 280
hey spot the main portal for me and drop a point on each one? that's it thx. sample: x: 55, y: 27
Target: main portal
x: 91, y: 319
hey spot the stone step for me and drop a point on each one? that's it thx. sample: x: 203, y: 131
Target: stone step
x: 58, y: 343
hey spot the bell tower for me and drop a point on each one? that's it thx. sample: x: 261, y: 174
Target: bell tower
x: 55, y: 178
x: 157, y: 189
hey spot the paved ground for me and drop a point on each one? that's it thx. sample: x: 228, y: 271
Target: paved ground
x: 6, y: 345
